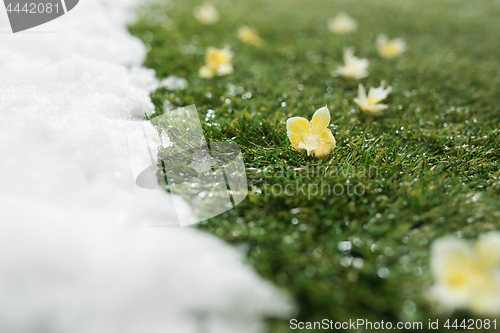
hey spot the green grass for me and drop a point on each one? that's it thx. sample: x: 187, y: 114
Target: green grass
x: 436, y: 149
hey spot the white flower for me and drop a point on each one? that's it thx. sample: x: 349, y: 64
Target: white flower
x: 313, y: 136
x: 217, y: 62
x: 206, y: 13
x: 390, y: 48
x: 369, y: 104
x: 354, y: 67
x: 342, y: 24
x: 467, y: 277
x: 248, y: 35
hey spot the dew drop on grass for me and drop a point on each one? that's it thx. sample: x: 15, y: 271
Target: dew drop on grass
x: 288, y: 239
x: 409, y: 307
x: 352, y: 276
x: 345, y: 246
x: 310, y: 271
x: 346, y: 261
x: 358, y: 263
x: 357, y: 242
x: 367, y: 36
x: 383, y: 272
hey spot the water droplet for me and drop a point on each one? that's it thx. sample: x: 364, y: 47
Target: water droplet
x: 389, y: 251
x: 383, y: 272
x: 367, y: 36
x: 451, y: 57
x: 346, y: 261
x: 358, y: 263
x: 345, y: 246
x: 357, y: 242
x: 310, y: 271
x: 409, y: 307
x: 288, y: 239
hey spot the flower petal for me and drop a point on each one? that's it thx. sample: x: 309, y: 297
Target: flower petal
x: 320, y: 120
x: 225, y: 69
x: 302, y: 144
x: 362, y: 95
x: 382, y: 40
x: 326, y: 144
x: 349, y: 55
x: 376, y: 95
x: 374, y: 110
x: 450, y: 254
x: 295, y: 127
x: 206, y: 72
x: 488, y: 249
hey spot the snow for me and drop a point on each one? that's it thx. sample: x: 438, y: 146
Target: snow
x: 174, y: 83
x: 77, y: 250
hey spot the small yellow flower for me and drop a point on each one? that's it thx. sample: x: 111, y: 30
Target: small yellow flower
x: 249, y: 35
x: 390, y: 48
x: 468, y: 277
x: 354, y: 67
x: 315, y: 136
x: 369, y: 104
x: 206, y: 13
x: 217, y: 62
x: 342, y: 24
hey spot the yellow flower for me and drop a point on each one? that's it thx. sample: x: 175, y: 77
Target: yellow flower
x: 217, y: 62
x: 312, y: 136
x: 249, y: 36
x: 354, y: 68
x: 390, y: 48
x: 369, y: 104
x: 342, y: 24
x: 468, y: 277
x: 206, y: 13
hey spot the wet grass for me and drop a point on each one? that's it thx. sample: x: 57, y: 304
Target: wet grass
x: 428, y: 168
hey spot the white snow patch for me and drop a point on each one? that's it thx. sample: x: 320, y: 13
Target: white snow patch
x: 77, y: 253
x: 174, y: 83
